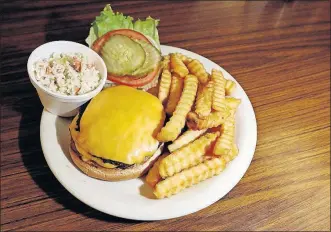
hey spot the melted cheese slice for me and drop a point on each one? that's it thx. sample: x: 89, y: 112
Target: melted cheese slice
x: 85, y: 155
x: 120, y: 124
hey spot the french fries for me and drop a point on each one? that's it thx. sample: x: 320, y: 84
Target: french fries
x: 232, y: 153
x: 166, y: 62
x: 176, y: 88
x: 177, y: 121
x: 164, y: 88
x: 204, y: 99
x: 232, y: 104
x: 197, y: 69
x: 183, y: 58
x: 178, y: 66
x: 218, y: 102
x: 214, y: 119
x: 153, y: 176
x: 187, y: 156
x: 188, y: 177
x: 225, y: 142
x: 187, y: 137
x: 230, y: 86
x: 190, y: 95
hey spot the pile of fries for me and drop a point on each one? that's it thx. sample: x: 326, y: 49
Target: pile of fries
x: 201, y: 128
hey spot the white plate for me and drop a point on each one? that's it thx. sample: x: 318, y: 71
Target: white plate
x: 133, y: 199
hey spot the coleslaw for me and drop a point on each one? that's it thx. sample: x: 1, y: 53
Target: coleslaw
x: 67, y: 74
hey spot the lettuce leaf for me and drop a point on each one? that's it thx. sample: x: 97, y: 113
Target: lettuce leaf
x: 148, y: 28
x: 109, y: 21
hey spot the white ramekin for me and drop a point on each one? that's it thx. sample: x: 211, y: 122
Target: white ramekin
x: 59, y: 104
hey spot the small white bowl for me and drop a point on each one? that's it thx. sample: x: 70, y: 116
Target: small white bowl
x: 59, y: 104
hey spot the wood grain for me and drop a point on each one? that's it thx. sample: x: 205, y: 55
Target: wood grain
x: 278, y: 51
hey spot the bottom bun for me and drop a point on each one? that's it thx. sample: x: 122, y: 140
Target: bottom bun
x: 94, y: 170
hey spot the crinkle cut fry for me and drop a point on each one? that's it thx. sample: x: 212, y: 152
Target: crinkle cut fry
x: 224, y: 144
x: 153, y: 176
x: 178, y: 66
x: 230, y: 86
x: 196, y: 68
x: 177, y: 121
x: 189, y: 177
x: 166, y: 62
x: 176, y: 88
x: 232, y: 153
x: 187, y: 156
x: 204, y: 99
x: 232, y: 104
x: 218, y: 102
x: 164, y: 87
x: 187, y: 137
x: 184, y: 58
x: 214, y: 119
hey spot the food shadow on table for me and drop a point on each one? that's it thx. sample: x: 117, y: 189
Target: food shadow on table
x: 37, y: 167
x: 30, y: 147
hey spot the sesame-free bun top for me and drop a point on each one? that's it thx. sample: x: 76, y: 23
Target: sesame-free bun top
x: 119, y: 124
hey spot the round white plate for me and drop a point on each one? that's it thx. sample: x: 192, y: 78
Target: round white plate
x: 133, y: 199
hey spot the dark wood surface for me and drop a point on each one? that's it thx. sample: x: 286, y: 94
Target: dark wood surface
x: 278, y: 51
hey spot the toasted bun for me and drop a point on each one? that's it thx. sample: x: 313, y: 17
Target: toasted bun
x: 94, y: 170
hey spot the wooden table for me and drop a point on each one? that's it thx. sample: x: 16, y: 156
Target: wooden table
x: 278, y: 51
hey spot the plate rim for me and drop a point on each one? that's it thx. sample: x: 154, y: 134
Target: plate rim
x: 142, y: 218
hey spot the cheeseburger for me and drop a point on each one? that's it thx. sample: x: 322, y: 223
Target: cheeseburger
x: 113, y: 136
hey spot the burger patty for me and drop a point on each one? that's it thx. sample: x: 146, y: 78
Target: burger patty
x: 118, y: 164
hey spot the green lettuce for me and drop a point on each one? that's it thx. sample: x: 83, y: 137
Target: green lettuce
x: 109, y: 21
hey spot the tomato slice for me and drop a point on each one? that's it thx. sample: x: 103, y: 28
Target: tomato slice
x: 132, y: 80
x: 98, y: 44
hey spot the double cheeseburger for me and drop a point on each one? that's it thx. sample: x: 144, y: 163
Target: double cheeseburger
x: 113, y: 136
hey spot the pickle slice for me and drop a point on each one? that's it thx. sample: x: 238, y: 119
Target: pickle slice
x: 122, y: 55
x: 152, y: 60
